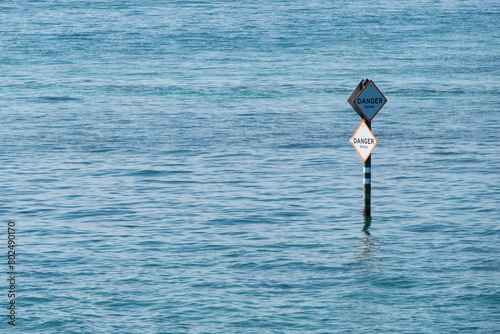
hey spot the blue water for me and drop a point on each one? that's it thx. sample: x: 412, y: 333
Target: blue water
x: 185, y: 166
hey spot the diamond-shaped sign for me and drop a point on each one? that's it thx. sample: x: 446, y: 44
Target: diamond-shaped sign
x: 363, y: 141
x: 367, y: 100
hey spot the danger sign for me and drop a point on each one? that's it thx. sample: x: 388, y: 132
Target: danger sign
x: 367, y: 100
x: 363, y: 141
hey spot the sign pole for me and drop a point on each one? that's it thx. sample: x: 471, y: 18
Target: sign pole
x: 367, y: 180
x: 366, y: 100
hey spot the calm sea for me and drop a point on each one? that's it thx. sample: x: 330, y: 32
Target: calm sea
x: 185, y: 166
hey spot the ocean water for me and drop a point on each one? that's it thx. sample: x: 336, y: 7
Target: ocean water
x: 185, y: 166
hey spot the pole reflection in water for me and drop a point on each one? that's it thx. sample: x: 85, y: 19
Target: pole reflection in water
x: 366, y: 270
x: 365, y: 252
x: 366, y: 258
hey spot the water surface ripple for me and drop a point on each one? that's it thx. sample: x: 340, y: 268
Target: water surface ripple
x: 185, y: 166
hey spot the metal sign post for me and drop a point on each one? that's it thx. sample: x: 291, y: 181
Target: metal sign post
x: 367, y: 100
x: 367, y: 182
